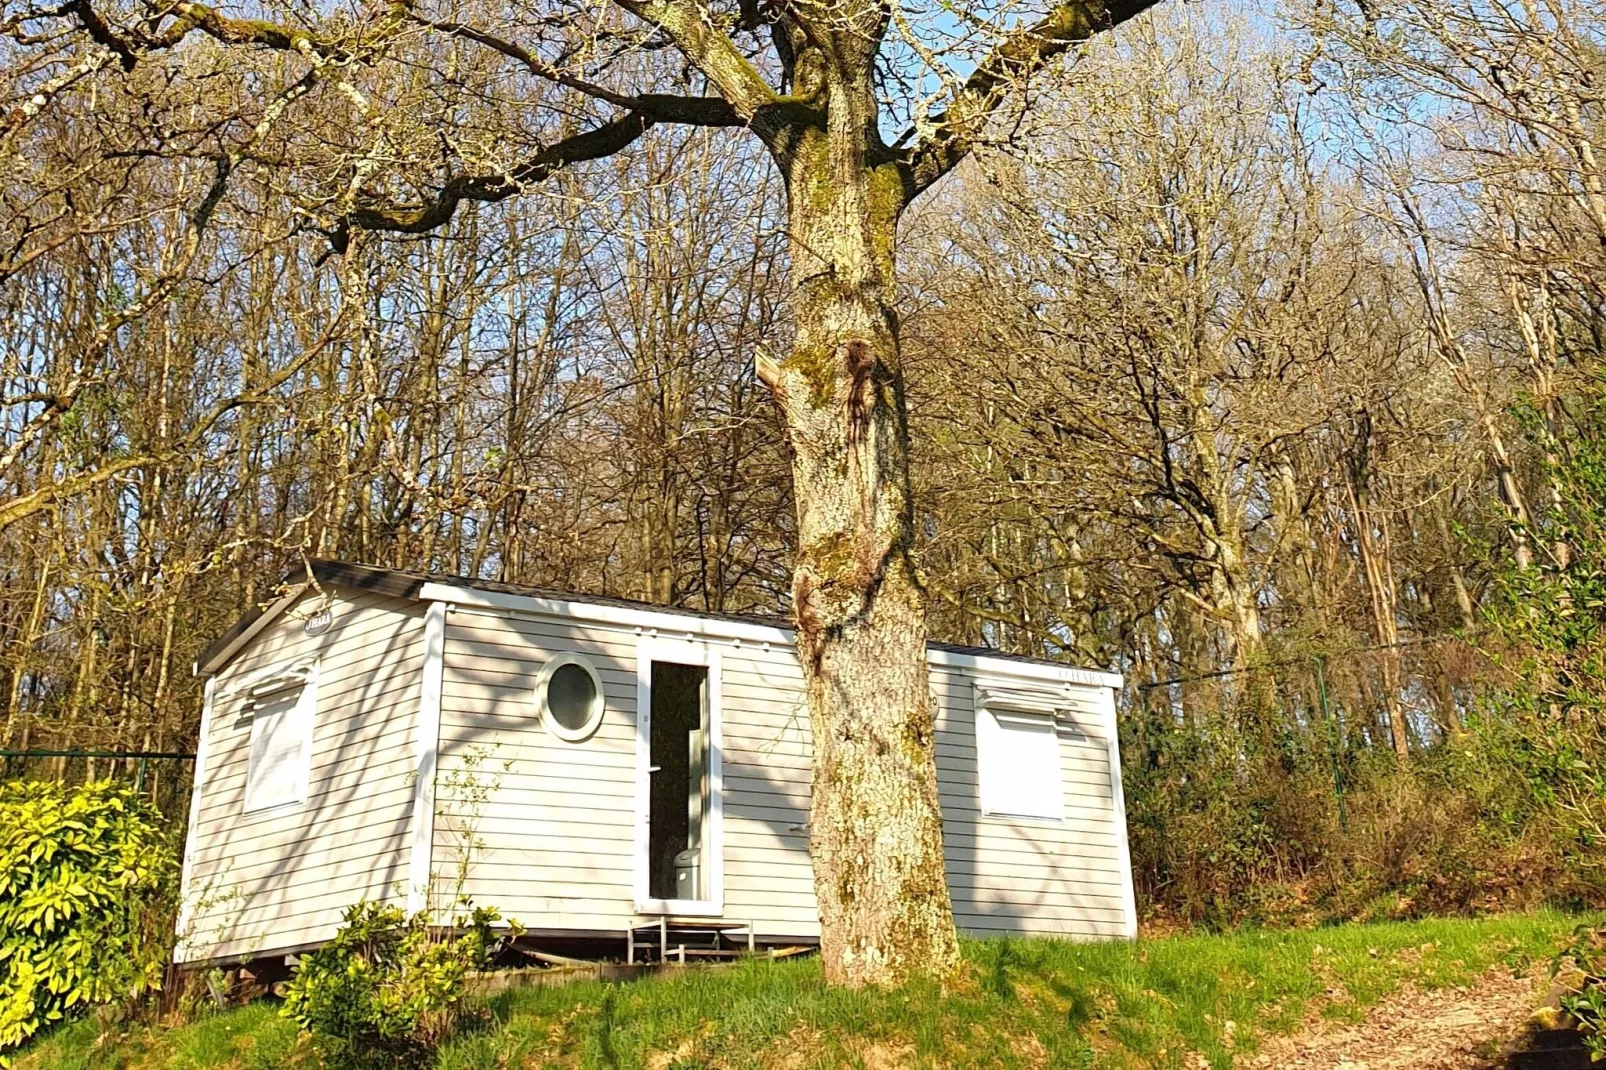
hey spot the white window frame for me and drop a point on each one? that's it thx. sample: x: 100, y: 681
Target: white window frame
x: 599, y: 701
x: 695, y: 653
x: 305, y: 713
x: 997, y: 712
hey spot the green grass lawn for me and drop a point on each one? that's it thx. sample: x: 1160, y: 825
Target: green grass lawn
x: 1024, y: 1003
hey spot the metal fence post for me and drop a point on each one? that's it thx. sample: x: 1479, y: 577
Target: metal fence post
x: 1332, y: 749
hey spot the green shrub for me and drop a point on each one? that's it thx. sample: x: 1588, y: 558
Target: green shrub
x: 1227, y: 830
x: 388, y: 988
x: 1549, y: 726
x: 1586, y: 1003
x: 83, y: 870
x: 1230, y: 822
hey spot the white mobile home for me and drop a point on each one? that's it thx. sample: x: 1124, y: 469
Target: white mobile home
x: 600, y: 765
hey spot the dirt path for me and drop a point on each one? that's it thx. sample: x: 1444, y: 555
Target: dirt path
x: 1447, y: 1029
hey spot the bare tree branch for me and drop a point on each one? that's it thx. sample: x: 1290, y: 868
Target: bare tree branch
x: 1007, y: 69
x: 659, y: 107
x: 595, y: 144
x: 711, y: 52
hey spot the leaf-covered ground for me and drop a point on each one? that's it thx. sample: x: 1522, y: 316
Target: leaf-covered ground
x: 1464, y: 1028
x: 1183, y: 1001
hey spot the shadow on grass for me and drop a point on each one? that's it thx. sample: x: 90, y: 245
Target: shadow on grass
x: 1020, y: 1003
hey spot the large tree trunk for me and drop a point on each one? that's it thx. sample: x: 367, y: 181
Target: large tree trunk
x: 875, y: 824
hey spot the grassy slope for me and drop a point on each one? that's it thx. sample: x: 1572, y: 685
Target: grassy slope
x: 1025, y: 1003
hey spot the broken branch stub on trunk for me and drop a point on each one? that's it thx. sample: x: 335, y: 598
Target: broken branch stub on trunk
x: 408, y: 113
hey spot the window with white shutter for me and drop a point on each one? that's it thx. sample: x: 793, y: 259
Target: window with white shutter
x: 1018, y: 762
x: 281, y: 710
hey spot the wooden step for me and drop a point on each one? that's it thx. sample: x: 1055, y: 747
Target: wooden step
x: 664, y: 935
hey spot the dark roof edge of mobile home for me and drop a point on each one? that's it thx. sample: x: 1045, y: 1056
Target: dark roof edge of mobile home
x: 407, y: 584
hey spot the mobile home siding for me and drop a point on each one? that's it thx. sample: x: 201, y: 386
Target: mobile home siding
x: 546, y: 827
x: 1016, y: 875
x: 278, y: 879
x: 554, y: 821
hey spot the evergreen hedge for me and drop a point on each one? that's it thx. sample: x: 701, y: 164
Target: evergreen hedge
x: 81, y: 869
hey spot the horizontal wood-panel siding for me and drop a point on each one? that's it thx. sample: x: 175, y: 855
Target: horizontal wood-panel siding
x: 281, y: 878
x: 546, y: 826
x: 556, y: 820
x: 1022, y: 876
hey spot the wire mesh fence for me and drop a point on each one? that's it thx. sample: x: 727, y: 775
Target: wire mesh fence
x: 161, y: 776
x: 1432, y: 685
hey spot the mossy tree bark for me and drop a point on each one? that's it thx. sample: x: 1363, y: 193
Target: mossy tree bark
x: 875, y: 823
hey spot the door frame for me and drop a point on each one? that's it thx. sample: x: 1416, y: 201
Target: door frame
x: 650, y: 648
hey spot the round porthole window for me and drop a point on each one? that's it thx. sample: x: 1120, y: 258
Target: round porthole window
x: 569, y: 696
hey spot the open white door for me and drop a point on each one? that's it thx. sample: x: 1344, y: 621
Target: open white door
x: 679, y: 780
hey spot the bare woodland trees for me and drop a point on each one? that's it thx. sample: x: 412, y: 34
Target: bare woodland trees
x: 467, y: 413
x: 1172, y: 328
x: 1198, y: 390
x: 1213, y: 353
x: 442, y: 119
x: 1226, y: 362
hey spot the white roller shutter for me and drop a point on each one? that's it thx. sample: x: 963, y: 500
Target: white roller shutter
x: 1018, y: 754
x: 282, y: 714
